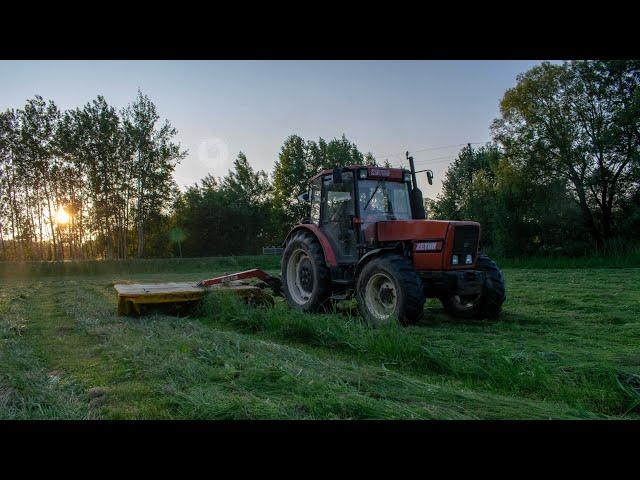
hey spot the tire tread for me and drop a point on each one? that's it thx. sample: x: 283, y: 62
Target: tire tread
x: 413, y: 289
x: 322, y: 271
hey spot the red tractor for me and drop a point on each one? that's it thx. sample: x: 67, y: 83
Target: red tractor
x: 367, y: 235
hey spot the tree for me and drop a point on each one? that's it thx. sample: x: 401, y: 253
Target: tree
x: 249, y: 200
x: 110, y: 175
x: 93, y: 139
x: 580, y: 122
x: 201, y: 214
x: 519, y: 215
x: 300, y: 160
x: 9, y: 208
x: 155, y: 157
x: 245, y: 187
x: 290, y: 179
x: 35, y: 164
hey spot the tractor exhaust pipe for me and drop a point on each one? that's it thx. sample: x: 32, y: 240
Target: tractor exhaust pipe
x: 417, y: 201
x: 414, y: 181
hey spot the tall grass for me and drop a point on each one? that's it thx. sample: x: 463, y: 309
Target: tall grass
x: 338, y: 331
x: 522, y: 373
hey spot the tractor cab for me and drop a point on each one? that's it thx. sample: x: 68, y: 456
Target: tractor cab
x: 346, y: 205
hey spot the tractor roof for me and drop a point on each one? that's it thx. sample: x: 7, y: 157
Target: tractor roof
x: 393, y: 174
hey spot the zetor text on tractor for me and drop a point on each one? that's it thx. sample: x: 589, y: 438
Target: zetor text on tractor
x: 367, y: 235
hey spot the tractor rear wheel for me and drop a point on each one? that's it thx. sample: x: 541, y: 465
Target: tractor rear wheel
x: 489, y: 303
x: 305, y: 276
x: 388, y: 288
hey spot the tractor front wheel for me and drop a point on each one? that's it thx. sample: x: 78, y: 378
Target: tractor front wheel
x: 486, y: 305
x: 305, y: 276
x: 388, y: 288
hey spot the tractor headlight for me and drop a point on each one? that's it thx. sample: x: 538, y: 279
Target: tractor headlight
x: 363, y: 173
x: 454, y: 260
x: 468, y: 260
x: 407, y: 177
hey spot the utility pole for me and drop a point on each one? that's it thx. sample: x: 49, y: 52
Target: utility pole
x: 470, y: 166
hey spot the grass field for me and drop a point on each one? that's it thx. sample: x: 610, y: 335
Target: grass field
x: 567, y: 346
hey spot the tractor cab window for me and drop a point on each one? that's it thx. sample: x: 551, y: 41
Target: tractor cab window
x: 380, y: 200
x: 338, y: 210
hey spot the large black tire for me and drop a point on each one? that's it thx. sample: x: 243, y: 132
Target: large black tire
x: 489, y: 304
x: 309, y: 289
x: 402, y: 298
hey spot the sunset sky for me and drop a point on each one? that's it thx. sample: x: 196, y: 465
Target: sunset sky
x: 223, y: 107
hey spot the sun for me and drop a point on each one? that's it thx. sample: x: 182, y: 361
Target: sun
x: 62, y: 217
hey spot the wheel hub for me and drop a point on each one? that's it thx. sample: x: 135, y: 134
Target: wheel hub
x: 380, y: 297
x: 387, y: 294
x: 299, y: 274
x: 306, y: 275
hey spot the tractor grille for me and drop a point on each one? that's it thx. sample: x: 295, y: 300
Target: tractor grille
x: 465, y: 239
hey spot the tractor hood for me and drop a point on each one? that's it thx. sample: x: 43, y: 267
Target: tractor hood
x: 401, y: 230
x: 444, y: 239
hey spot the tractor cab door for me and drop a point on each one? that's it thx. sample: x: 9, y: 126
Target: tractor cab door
x: 336, y: 216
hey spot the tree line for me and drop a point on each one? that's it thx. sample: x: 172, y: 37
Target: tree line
x: 562, y: 172
x: 83, y: 183
x: 561, y: 175
x: 110, y: 173
x: 247, y: 209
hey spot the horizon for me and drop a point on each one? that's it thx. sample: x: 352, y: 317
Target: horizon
x: 219, y: 108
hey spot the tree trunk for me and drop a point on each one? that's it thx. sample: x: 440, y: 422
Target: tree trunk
x: 13, y: 224
x: 607, y: 220
x: 587, y: 217
x: 53, y: 235
x: 140, y: 239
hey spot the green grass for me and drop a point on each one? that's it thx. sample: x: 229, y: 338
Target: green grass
x: 11, y: 270
x: 565, y: 347
x: 626, y: 260
x: 163, y: 265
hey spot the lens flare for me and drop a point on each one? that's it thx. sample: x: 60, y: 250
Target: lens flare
x: 62, y: 217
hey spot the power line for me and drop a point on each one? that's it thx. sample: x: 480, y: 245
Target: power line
x: 445, y: 146
x: 428, y: 160
x: 399, y: 156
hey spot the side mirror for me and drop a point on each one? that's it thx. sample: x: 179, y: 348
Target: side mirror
x: 430, y: 177
x: 304, y: 197
x: 337, y: 176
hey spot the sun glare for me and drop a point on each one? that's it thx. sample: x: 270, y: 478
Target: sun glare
x: 62, y: 217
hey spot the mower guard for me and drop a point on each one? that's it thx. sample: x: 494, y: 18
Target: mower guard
x: 131, y: 297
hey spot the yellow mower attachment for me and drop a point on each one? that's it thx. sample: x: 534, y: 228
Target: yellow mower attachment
x: 131, y: 297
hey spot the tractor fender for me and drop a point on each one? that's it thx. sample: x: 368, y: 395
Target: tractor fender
x: 370, y: 255
x: 327, y: 249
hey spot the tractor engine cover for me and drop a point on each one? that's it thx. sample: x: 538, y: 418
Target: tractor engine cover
x: 443, y: 239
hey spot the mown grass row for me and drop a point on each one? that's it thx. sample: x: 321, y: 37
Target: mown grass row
x: 565, y: 346
x: 83, y: 361
x: 28, y: 388
x: 603, y: 387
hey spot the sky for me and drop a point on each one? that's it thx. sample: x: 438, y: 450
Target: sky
x: 220, y: 108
